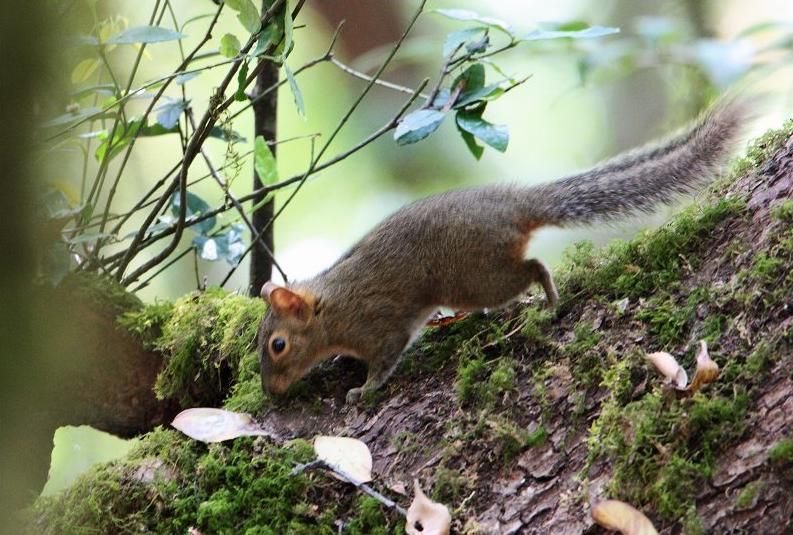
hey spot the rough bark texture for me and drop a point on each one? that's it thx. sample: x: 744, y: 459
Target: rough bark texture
x: 264, y: 117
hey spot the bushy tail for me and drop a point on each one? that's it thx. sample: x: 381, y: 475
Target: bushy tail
x: 644, y: 178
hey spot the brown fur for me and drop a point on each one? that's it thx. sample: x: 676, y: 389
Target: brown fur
x: 465, y: 249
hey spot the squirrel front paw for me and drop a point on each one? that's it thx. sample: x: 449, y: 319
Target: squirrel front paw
x: 354, y: 395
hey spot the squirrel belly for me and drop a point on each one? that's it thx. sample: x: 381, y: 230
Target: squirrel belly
x: 466, y: 249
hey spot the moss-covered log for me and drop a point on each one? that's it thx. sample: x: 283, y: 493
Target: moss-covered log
x: 517, y: 419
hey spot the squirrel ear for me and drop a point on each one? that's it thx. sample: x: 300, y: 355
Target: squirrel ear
x: 284, y: 302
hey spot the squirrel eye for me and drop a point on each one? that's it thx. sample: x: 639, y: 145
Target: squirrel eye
x: 278, y: 345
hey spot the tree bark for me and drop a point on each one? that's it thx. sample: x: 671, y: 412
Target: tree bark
x: 265, y: 123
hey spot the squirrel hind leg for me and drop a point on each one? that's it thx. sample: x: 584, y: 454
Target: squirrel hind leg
x: 541, y: 275
x: 512, y: 279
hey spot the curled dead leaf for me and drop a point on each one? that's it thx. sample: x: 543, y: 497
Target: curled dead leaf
x: 425, y: 517
x: 216, y: 425
x: 349, y: 455
x: 667, y: 365
x: 706, y: 372
x: 619, y: 516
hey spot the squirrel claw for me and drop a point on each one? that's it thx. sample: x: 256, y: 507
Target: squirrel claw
x: 354, y: 395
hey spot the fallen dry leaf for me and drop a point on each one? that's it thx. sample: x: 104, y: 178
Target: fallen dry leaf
x: 349, y: 455
x: 619, y: 516
x: 707, y: 371
x: 426, y: 517
x: 440, y: 320
x: 216, y: 425
x: 667, y: 365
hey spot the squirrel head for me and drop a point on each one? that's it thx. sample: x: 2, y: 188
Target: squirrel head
x: 289, y: 340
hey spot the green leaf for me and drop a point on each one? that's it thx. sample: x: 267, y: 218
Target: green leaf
x: 588, y: 33
x: 156, y: 130
x: 271, y: 35
x: 458, y: 38
x: 417, y: 125
x: 298, y: 96
x: 195, y: 207
x: 242, y: 74
x: 490, y: 92
x: 470, y: 141
x: 170, y: 112
x: 144, y: 34
x: 225, y: 134
x: 88, y: 237
x: 497, y: 136
x: 122, y: 137
x: 472, y: 78
x: 228, y: 246
x: 229, y: 46
x: 472, y: 16
x: 264, y: 162
x: 247, y: 14
x: 288, y: 28
x: 83, y: 70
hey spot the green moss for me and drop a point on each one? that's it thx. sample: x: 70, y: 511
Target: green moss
x: 586, y: 361
x: 760, y: 359
x: 482, y: 382
x: 240, y: 487
x: 692, y: 523
x: 147, y: 323
x: 766, y: 268
x: 370, y: 519
x: 535, y: 324
x: 760, y: 150
x: 653, y: 260
x: 511, y: 440
x: 748, y: 495
x: 442, y: 344
x: 661, y: 447
x: 450, y: 486
x: 713, y: 327
x: 783, y: 211
x: 246, y: 396
x: 781, y: 453
x: 471, y: 375
x: 209, y: 342
x: 502, y: 379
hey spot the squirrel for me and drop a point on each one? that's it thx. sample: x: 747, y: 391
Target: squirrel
x: 466, y: 249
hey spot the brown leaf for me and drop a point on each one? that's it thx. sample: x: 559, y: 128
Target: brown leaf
x: 706, y: 372
x: 619, y: 516
x: 426, y: 517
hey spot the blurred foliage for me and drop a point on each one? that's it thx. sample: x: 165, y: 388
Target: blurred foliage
x: 91, y: 230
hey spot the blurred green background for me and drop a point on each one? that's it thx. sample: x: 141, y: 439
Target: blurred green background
x: 581, y: 104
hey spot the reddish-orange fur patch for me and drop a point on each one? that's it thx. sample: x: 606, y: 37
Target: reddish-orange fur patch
x: 517, y: 249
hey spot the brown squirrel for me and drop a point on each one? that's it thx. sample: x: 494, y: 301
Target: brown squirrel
x: 465, y: 250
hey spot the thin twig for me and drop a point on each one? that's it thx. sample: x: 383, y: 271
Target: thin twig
x: 363, y: 76
x: 196, y: 140
x: 286, y: 182
x: 319, y: 463
x: 234, y: 200
x: 342, y: 122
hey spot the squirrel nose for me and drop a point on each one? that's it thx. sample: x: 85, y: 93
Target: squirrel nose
x: 277, y: 386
